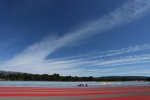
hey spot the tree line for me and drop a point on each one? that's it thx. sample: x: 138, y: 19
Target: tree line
x: 57, y: 77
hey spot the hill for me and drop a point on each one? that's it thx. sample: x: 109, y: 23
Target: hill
x: 18, y: 76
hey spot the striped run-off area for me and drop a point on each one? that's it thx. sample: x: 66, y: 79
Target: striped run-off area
x: 111, y: 93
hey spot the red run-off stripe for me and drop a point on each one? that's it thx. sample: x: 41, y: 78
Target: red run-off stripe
x: 68, y: 94
x: 31, y: 91
x: 73, y: 89
x: 123, y: 98
x: 58, y: 94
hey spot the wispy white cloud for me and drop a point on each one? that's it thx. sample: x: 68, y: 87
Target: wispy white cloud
x: 76, y: 65
x: 33, y: 58
x: 134, y: 59
x: 109, y: 53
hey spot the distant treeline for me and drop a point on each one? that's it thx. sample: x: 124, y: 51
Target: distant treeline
x: 57, y: 77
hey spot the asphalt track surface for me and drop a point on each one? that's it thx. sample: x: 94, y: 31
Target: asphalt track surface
x: 111, y: 93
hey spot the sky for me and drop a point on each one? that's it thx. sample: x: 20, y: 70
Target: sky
x: 75, y: 37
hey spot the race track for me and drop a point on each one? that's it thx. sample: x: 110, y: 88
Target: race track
x: 111, y: 93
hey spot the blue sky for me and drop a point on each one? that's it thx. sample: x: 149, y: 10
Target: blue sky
x: 75, y: 37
